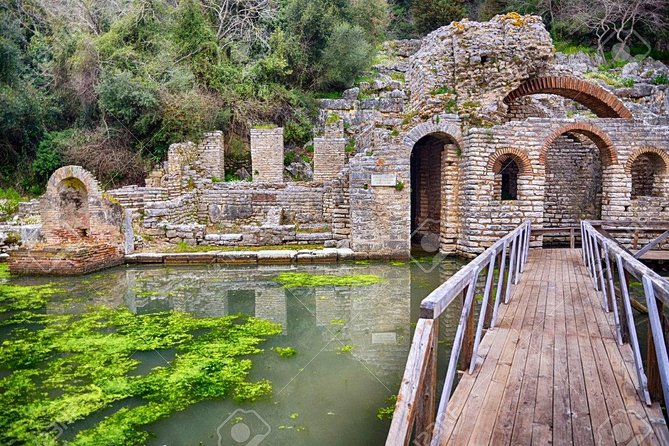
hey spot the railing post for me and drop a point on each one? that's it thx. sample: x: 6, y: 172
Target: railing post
x: 500, y: 286
x: 629, y: 318
x: 484, y: 311
x: 455, y: 354
x: 428, y: 400
x: 600, y: 276
x: 572, y: 238
x: 658, y: 360
x: 612, y: 295
x: 519, y: 255
x: 470, y: 328
x: 509, y: 279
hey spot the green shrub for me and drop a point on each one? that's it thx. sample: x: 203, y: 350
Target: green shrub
x: 347, y: 53
x: 9, y: 201
x: 661, y: 79
x: 50, y: 150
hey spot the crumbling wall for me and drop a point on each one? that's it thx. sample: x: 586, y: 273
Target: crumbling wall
x: 469, y: 67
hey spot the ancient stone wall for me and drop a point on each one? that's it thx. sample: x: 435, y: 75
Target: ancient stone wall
x: 573, y: 189
x: 469, y: 67
x: 267, y: 155
x: 329, y: 157
x: 486, y: 219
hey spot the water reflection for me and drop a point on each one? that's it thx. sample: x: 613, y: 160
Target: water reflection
x: 352, y: 342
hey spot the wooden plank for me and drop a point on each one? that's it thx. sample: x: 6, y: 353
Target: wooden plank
x: 492, y: 406
x: 580, y: 412
x: 615, y: 405
x: 639, y: 254
x: 412, y: 384
x: 601, y: 427
x: 543, y: 410
x: 562, y: 429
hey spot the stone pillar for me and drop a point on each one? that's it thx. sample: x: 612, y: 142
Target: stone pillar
x: 329, y: 157
x: 212, y: 160
x: 267, y: 155
x: 450, y: 199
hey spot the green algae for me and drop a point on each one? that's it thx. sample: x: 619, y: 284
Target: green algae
x: 298, y: 280
x: 64, y: 368
x: 285, y: 352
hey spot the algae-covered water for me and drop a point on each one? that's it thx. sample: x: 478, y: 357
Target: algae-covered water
x: 318, y: 373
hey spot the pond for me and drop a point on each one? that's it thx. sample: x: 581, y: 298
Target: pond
x: 350, y: 341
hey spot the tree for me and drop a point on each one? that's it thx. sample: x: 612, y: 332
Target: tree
x: 620, y: 18
x: 432, y: 14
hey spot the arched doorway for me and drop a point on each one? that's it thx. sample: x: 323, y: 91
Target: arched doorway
x: 648, y: 170
x: 434, y: 173
x: 576, y: 158
x: 74, y: 215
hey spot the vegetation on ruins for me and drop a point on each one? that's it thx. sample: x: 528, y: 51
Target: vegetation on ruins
x: 110, y: 84
x: 67, y: 367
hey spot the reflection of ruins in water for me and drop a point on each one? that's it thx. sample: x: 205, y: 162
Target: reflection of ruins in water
x: 376, y: 320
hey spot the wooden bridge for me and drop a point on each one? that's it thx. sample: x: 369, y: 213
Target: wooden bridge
x: 553, y: 355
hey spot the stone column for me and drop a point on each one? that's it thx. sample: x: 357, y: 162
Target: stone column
x: 329, y: 157
x: 267, y: 155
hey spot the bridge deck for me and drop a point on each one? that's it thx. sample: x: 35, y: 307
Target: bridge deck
x: 552, y: 372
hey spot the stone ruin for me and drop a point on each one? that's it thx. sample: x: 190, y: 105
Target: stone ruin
x: 82, y: 231
x: 460, y: 137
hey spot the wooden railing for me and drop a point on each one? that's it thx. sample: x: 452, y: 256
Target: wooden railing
x: 607, y: 262
x: 415, y: 409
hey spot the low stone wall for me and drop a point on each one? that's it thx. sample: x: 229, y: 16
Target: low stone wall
x: 180, y: 210
x: 254, y: 204
x: 64, y: 260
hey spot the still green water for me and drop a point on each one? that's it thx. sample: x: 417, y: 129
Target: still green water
x: 351, y: 342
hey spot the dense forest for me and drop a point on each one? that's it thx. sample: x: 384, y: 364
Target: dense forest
x: 109, y: 84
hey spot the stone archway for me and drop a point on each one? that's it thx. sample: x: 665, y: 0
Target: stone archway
x: 576, y: 159
x: 72, y: 196
x: 601, y: 102
x: 648, y: 169
x: 434, y: 171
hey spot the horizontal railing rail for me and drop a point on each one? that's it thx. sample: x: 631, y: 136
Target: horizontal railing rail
x: 607, y: 261
x: 415, y: 409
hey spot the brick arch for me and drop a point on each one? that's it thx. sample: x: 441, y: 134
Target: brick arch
x: 601, y: 102
x: 435, y: 126
x: 520, y: 156
x: 644, y: 151
x: 73, y: 172
x: 598, y: 136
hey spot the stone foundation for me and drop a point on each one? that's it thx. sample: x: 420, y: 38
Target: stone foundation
x: 64, y: 260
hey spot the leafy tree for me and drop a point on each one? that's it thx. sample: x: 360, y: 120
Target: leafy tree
x: 432, y: 14
x: 346, y: 54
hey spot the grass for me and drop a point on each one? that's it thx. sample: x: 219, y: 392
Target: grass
x: 570, y: 48
x: 185, y: 248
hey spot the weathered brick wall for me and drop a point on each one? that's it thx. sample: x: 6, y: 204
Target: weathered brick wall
x: 486, y: 219
x: 267, y: 155
x: 329, y: 157
x: 573, y: 182
x: 251, y: 203
x: 469, y: 66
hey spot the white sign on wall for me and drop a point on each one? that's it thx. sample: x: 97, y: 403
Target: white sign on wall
x: 387, y: 179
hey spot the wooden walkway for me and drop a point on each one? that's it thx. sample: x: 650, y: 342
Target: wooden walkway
x: 551, y: 371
